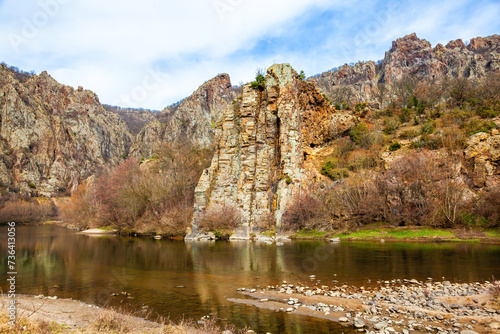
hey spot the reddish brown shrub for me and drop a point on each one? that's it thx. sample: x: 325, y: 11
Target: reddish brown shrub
x: 488, y: 206
x: 220, y: 219
x: 357, y: 201
x: 305, y: 212
x: 32, y: 211
x: 81, y: 209
x: 156, y: 195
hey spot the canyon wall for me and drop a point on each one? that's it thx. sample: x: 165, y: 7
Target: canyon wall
x: 53, y: 136
x: 260, y: 147
x: 411, y: 57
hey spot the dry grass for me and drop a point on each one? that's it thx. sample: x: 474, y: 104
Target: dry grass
x: 24, y: 324
x: 494, y: 291
x: 110, y: 321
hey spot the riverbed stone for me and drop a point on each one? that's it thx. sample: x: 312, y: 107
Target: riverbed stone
x: 358, y: 323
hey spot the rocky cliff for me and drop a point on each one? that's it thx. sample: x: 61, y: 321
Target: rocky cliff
x: 53, y: 136
x: 261, y: 145
x: 193, y: 119
x: 412, y: 57
x: 482, y: 158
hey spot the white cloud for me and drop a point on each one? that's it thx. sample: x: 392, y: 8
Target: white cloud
x: 107, y: 46
x: 113, y: 47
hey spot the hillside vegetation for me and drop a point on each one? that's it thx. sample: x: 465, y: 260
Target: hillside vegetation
x: 412, y: 140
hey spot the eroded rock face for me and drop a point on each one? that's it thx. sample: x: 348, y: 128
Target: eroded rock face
x: 413, y: 57
x: 357, y: 82
x: 483, y: 157
x: 259, y: 147
x: 53, y: 136
x: 194, y: 118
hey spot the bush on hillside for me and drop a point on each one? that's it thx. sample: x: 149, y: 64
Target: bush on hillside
x: 395, y: 146
x: 260, y: 81
x: 305, y: 212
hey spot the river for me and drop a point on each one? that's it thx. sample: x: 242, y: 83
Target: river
x: 177, y: 279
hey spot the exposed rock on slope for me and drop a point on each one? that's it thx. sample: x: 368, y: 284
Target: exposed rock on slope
x: 483, y: 158
x: 52, y: 136
x: 193, y: 118
x: 260, y: 145
x: 135, y: 119
x: 415, y: 57
x: 357, y: 82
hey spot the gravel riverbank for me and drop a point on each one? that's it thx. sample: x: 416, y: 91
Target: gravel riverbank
x: 396, y: 306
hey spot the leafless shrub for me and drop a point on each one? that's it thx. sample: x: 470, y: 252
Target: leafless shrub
x: 494, y: 290
x: 488, y: 206
x: 358, y: 200
x: 305, y: 212
x: 220, y: 219
x: 266, y: 221
x: 156, y: 196
x: 408, y: 186
x: 453, y: 139
x: 450, y: 199
x: 29, y: 211
x: 460, y: 90
x: 81, y: 210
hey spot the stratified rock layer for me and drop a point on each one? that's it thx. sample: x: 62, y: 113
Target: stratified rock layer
x: 259, y: 151
x: 412, y: 57
x: 483, y: 158
x: 193, y: 119
x: 52, y: 136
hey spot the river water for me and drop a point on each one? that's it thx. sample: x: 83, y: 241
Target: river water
x: 180, y: 280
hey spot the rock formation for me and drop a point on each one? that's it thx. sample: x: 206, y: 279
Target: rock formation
x: 260, y: 146
x: 483, y: 158
x: 415, y: 57
x: 52, y: 136
x: 194, y: 118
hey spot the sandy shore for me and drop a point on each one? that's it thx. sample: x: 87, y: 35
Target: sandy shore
x: 72, y: 315
x: 98, y: 231
x: 40, y: 314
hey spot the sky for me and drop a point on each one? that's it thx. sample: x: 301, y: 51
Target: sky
x: 152, y: 53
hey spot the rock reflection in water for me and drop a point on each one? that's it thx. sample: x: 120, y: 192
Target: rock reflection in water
x: 190, y: 280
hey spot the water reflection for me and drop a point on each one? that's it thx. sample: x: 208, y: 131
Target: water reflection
x: 194, y: 279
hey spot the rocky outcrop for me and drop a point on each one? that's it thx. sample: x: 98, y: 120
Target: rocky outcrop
x: 52, y: 136
x: 260, y: 148
x: 193, y: 119
x: 349, y: 83
x: 483, y: 158
x: 413, y: 57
